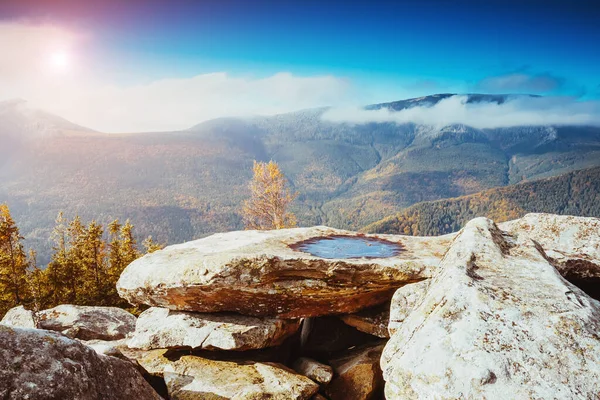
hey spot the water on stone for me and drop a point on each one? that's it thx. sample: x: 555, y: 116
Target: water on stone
x: 349, y: 247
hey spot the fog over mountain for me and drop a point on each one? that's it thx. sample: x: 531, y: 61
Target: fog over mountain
x: 187, y: 184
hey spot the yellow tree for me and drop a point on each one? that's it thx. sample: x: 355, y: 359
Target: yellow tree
x: 13, y: 263
x: 270, y: 199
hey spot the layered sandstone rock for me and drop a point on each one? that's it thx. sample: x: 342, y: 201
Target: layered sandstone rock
x: 193, y: 377
x: 37, y: 364
x: 259, y: 273
x: 498, y: 321
x: 158, y: 328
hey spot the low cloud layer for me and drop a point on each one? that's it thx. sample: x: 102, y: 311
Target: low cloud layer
x: 517, y: 111
x: 46, y: 65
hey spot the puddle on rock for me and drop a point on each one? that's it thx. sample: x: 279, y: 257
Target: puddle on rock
x: 348, y: 247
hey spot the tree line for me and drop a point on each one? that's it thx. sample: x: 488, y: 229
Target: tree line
x: 87, y: 259
x: 86, y: 263
x: 574, y: 193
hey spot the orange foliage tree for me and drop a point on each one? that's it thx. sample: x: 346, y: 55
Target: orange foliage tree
x: 270, y: 199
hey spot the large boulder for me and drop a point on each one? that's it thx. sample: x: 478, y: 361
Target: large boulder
x: 163, y: 328
x: 42, y: 365
x: 497, y: 321
x: 265, y: 273
x: 358, y: 375
x: 21, y: 317
x: 572, y: 244
x: 87, y: 322
x: 192, y: 377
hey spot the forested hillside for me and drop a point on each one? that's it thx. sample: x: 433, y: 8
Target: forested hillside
x: 575, y: 193
x: 182, y: 185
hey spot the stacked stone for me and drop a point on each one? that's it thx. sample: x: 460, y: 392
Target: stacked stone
x: 256, y: 299
x: 485, y: 313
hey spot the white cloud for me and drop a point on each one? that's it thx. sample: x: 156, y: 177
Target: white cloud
x: 518, y: 111
x: 28, y: 70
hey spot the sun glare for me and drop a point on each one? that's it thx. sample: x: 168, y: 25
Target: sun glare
x: 59, y: 60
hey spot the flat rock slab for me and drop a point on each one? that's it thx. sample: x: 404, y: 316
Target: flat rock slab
x: 258, y: 273
x: 158, y: 328
x: 37, y: 364
x: 373, y: 321
x: 498, y: 321
x: 192, y: 377
x: 571, y: 243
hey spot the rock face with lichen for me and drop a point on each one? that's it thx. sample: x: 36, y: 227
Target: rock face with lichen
x: 37, y: 364
x: 498, y: 321
x: 259, y: 273
x: 159, y: 328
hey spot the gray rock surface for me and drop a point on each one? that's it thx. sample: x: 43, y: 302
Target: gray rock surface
x: 42, y: 365
x: 87, y: 322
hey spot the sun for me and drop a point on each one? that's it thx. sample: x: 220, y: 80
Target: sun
x: 60, y: 60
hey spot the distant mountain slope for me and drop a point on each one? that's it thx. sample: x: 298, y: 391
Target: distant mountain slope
x: 182, y: 185
x: 575, y: 193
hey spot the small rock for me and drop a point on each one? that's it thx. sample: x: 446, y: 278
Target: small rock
x: 163, y: 328
x: 107, y: 347
x: 357, y: 374
x: 37, y: 364
x: 373, y: 321
x: 320, y: 373
x: 20, y: 317
x: 87, y: 322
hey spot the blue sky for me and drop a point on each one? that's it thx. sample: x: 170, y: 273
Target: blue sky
x: 385, y: 50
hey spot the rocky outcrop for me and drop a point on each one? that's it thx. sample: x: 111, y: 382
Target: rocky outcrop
x: 259, y: 273
x: 373, y: 321
x: 20, y: 317
x: 193, y: 377
x: 318, y: 372
x: 37, y: 364
x: 497, y: 320
x: 572, y: 244
x: 357, y: 374
x: 87, y: 323
x: 158, y: 328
